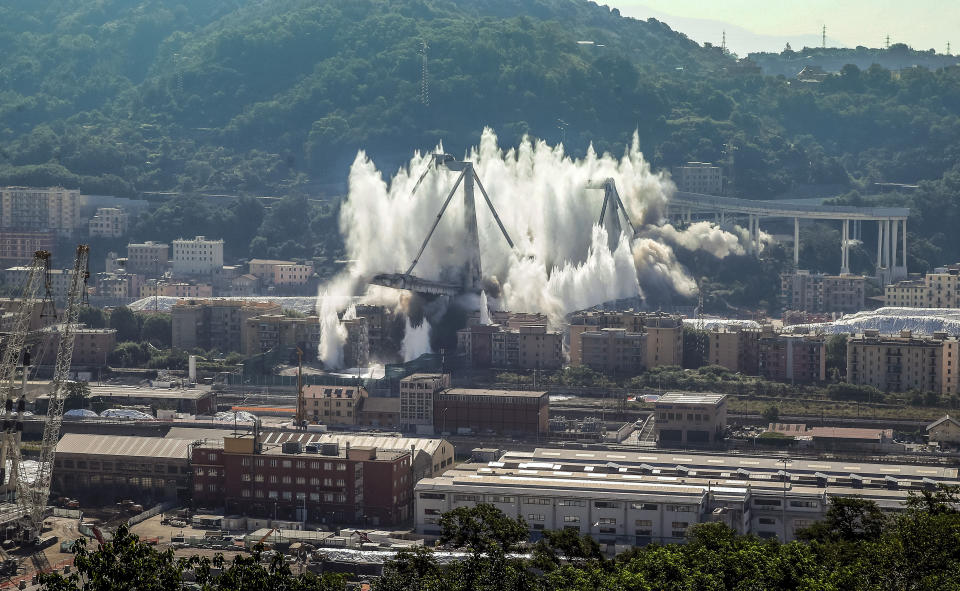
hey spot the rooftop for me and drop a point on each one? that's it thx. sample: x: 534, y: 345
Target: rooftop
x: 691, y: 398
x: 124, y: 446
x: 498, y: 393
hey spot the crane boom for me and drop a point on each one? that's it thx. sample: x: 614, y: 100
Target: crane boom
x: 33, y: 496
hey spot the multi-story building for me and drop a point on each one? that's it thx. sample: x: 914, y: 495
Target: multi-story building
x: 622, y: 498
x: 17, y: 248
x: 263, y: 269
x: 42, y: 313
x: 505, y: 412
x: 109, y: 222
x: 292, y: 274
x: 798, y: 359
x: 613, y: 350
x: 100, y: 468
x: 736, y: 348
x: 332, y: 405
x: 940, y: 289
x: 699, y: 177
x: 270, y: 331
x: 384, y: 330
x: 35, y: 209
x: 296, y: 476
x: 897, y: 363
x: 175, y: 289
x: 508, y: 319
x: 664, y: 334
x: 820, y: 293
x: 215, y: 323
x: 59, y: 280
x: 119, y: 285
x: 148, y: 258
x: 197, y: 256
x: 690, y: 419
x: 356, y: 349
x: 528, y: 346
x: 91, y: 346
x: 379, y: 413
x: 416, y: 400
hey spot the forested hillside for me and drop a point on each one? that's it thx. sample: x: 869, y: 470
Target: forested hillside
x: 249, y: 97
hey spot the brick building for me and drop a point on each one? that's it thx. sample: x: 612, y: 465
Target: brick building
x: 294, y: 476
x: 506, y: 412
x: 17, y: 248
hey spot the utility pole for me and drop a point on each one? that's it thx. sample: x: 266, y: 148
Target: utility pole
x: 823, y: 37
x: 723, y: 43
x: 887, y: 46
x: 300, y: 401
x: 948, y: 48
x: 424, y: 75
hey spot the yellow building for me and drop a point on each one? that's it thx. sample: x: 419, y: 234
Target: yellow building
x: 940, y: 289
x: 897, y: 363
x: 664, y: 334
x: 332, y: 405
x: 32, y: 208
x: 736, y: 348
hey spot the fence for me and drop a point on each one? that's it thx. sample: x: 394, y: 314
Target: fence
x: 155, y: 510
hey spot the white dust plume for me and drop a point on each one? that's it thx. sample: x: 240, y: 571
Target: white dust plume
x: 416, y: 341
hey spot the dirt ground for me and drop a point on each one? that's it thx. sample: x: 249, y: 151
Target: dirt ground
x: 152, y: 528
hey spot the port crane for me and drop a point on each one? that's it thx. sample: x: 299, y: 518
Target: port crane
x: 32, y: 495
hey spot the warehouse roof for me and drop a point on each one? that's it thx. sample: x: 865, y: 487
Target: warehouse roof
x: 691, y: 398
x: 484, y: 392
x: 126, y: 446
x: 386, y: 442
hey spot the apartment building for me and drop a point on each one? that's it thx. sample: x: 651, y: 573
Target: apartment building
x: 333, y: 405
x: 820, y: 293
x: 508, y: 319
x: 148, y: 258
x: 197, y: 256
x: 699, y: 177
x: 91, y: 346
x: 52, y: 209
x: 417, y: 392
x: 118, y: 285
x: 292, y: 274
x: 59, y: 280
x: 797, y: 359
x: 18, y: 248
x: 690, y: 419
x: 897, y: 363
x: 175, y: 289
x: 613, y: 351
x: 528, y: 346
x: 384, y: 330
x: 621, y: 498
x: 219, y: 324
x: 303, y: 479
x: 108, y: 222
x: 270, y: 331
x: 664, y: 334
x: 505, y: 412
x: 356, y: 349
x: 736, y: 348
x: 940, y: 289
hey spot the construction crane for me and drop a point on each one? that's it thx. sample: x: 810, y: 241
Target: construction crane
x: 32, y: 495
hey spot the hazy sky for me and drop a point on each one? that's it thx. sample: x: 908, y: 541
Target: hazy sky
x: 922, y: 24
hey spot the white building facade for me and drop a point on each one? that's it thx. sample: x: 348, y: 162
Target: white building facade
x: 197, y: 256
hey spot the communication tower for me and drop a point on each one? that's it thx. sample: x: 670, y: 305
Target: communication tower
x: 424, y: 75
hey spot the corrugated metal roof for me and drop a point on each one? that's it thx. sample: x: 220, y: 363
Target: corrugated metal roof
x: 126, y: 446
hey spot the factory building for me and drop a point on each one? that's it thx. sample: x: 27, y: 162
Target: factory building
x: 624, y: 499
x: 520, y: 413
x: 416, y: 400
x: 690, y: 419
x: 106, y: 468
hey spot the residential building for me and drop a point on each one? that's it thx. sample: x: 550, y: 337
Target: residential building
x: 18, y: 248
x: 109, y: 222
x: 525, y: 347
x: 218, y: 324
x: 264, y: 269
x: 797, y: 359
x: 897, y: 363
x: 37, y: 209
x: 384, y: 331
x: 613, y: 350
x: 508, y: 319
x: 417, y: 392
x: 664, y: 334
x: 197, y: 256
x: 91, y: 346
x: 945, y: 430
x: 620, y: 499
x: 175, y: 289
x: 114, y: 263
x: 332, y: 404
x: 304, y: 480
x: 101, y: 468
x: 118, y: 285
x: 699, y: 177
x: 939, y: 289
x: 42, y: 313
x: 356, y: 349
x: 148, y: 258
x: 292, y: 274
x: 244, y: 285
x: 736, y: 348
x: 505, y: 412
x: 59, y: 280
x: 690, y: 419
x: 270, y: 331
x: 819, y: 293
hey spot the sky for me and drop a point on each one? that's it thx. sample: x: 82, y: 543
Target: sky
x: 754, y: 25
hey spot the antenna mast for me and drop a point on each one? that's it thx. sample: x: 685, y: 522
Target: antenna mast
x: 888, y: 41
x: 424, y: 76
x: 823, y: 37
x: 723, y: 43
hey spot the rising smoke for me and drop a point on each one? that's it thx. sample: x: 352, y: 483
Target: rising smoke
x: 561, y: 262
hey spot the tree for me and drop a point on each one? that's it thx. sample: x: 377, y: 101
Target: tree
x: 157, y: 329
x: 125, y: 322
x: 771, y: 414
x: 848, y: 519
x: 78, y: 395
x: 836, y: 354
x: 482, y: 528
x: 92, y: 317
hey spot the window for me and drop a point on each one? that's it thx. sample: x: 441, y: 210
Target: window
x: 466, y: 498
x: 245, y: 477
x: 643, y: 523
x: 678, y: 533
x: 644, y: 506
x: 680, y: 508
x: 571, y: 519
x: 536, y: 501
x: 314, y: 482
x: 287, y: 464
x: 535, y: 517
x: 808, y: 504
x: 341, y: 466
x: 258, y: 478
x: 245, y: 492
x: 287, y: 495
x: 680, y: 525
x: 435, y: 496
x: 211, y: 457
x: 766, y: 502
x: 328, y: 465
x: 287, y: 480
x: 766, y: 521
x: 571, y: 503
x: 606, y: 521
x: 606, y: 505
x: 273, y: 479
x: 501, y: 499
x: 328, y: 482
x: 431, y: 511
